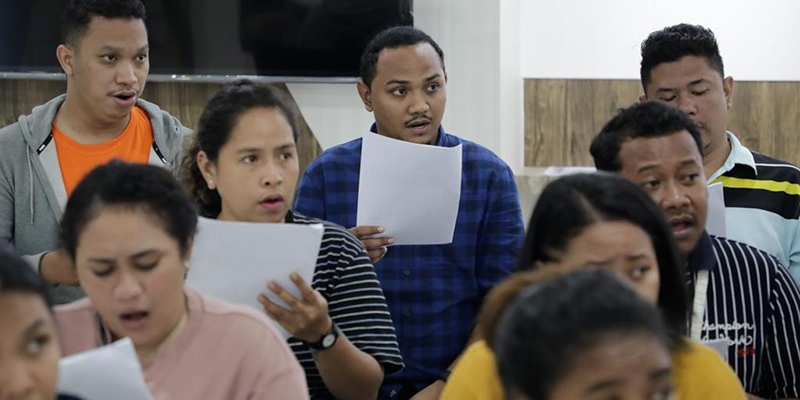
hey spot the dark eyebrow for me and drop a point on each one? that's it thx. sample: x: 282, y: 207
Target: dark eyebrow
x: 143, y: 253
x: 635, y: 257
x: 397, y: 82
x: 691, y: 161
x: 33, y: 327
x: 603, y: 385
x: 692, y: 83
x: 661, y: 373
x: 646, y: 167
x: 112, y: 49
x: 287, y: 146
x: 248, y: 150
x: 102, y: 260
x: 698, y: 81
x: 432, y: 77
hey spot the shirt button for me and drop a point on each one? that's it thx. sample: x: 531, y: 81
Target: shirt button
x: 407, y: 272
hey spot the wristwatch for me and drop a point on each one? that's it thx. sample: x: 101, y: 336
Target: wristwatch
x: 327, y: 340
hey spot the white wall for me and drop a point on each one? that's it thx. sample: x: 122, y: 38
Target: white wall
x: 484, y: 88
x: 600, y: 39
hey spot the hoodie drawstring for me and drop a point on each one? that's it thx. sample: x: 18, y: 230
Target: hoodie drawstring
x: 30, y: 176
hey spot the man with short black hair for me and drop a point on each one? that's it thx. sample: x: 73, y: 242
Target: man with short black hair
x: 433, y: 292
x: 744, y: 298
x: 681, y: 65
x: 105, y: 56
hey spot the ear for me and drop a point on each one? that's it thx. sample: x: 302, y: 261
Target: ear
x: 208, y: 169
x: 643, y: 98
x: 188, y: 256
x: 365, y: 94
x: 66, y: 57
x: 727, y: 87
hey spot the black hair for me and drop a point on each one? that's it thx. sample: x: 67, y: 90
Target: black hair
x: 549, y: 324
x: 218, y: 119
x: 135, y: 186
x: 392, y: 38
x: 675, y: 42
x: 573, y: 203
x: 651, y: 119
x: 17, y: 276
x: 78, y: 15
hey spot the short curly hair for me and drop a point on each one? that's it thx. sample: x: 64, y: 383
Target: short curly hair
x: 650, y: 119
x: 675, y: 42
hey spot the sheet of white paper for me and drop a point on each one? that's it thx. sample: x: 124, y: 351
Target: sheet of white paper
x: 108, y: 372
x: 412, y: 190
x: 715, y: 220
x: 234, y: 261
x: 563, y: 171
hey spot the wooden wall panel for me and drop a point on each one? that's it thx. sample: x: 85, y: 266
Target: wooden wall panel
x: 184, y: 100
x: 563, y: 115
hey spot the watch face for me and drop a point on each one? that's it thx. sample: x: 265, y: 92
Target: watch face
x: 328, y: 340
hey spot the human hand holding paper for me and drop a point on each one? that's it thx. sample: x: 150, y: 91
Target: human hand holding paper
x: 305, y: 318
x: 234, y: 260
x: 376, y: 246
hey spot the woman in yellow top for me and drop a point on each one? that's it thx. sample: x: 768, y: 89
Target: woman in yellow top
x: 606, y: 222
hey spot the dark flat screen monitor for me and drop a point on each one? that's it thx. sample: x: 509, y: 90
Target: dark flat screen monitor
x: 278, y: 38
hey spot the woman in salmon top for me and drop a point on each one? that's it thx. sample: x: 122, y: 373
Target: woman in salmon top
x: 129, y: 230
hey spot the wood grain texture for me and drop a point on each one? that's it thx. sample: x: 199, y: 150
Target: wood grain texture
x: 184, y: 100
x: 563, y: 115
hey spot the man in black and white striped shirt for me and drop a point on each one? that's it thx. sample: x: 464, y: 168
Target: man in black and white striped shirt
x: 745, y: 300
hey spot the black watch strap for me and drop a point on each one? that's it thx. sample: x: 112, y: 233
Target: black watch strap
x: 327, y: 340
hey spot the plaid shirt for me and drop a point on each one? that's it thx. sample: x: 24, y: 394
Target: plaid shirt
x: 433, y: 292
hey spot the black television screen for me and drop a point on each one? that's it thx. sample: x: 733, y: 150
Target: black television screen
x: 279, y: 38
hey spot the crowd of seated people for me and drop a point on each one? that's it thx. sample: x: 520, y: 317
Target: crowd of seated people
x: 617, y: 290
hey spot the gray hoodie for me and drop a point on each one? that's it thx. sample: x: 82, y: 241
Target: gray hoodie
x: 32, y: 193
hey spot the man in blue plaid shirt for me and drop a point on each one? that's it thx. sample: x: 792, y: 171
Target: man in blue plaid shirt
x: 433, y: 292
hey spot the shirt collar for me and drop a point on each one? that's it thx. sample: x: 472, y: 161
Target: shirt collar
x: 739, y: 155
x: 702, y: 257
x: 440, y: 141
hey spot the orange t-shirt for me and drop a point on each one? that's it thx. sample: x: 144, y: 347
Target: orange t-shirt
x: 132, y: 145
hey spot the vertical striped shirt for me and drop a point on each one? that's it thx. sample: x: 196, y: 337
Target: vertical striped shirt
x: 347, y: 280
x: 753, y: 303
x: 762, y: 203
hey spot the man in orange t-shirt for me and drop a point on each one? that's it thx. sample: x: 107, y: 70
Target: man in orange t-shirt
x: 105, y: 56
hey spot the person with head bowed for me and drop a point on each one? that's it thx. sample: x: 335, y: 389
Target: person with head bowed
x: 128, y: 230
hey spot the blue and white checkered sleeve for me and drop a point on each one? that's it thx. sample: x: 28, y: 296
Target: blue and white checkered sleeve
x: 502, y: 232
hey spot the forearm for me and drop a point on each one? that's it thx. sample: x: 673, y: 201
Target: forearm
x: 349, y: 373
